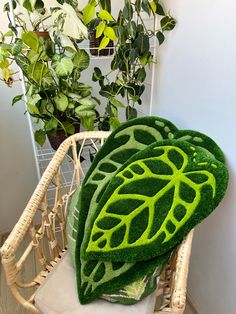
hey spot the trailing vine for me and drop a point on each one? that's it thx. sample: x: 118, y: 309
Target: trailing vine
x: 123, y: 85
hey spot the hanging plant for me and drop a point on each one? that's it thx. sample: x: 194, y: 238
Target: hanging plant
x: 102, y: 35
x: 133, y: 52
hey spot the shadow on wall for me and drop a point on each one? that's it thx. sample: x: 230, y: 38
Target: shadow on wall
x: 18, y: 173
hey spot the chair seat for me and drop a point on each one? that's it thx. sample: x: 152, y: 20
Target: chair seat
x: 58, y: 295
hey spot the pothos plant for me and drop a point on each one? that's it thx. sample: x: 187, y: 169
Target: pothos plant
x: 124, y: 85
x: 51, y: 65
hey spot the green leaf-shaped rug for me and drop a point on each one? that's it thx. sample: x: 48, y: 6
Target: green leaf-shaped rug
x: 155, y: 199
x: 99, y: 277
x: 124, y: 142
x: 130, y: 137
x: 202, y: 141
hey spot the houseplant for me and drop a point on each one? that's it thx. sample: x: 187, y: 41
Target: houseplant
x: 96, y: 37
x: 124, y: 85
x: 52, y: 67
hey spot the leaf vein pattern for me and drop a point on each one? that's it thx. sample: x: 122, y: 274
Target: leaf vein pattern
x: 174, y: 181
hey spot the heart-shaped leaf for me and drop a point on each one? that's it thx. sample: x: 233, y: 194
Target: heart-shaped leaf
x: 68, y: 22
x: 88, y: 13
x: 100, y: 29
x: 61, y: 102
x: 81, y: 59
x: 104, y: 42
x: 31, y: 40
x: 110, y: 33
x: 105, y: 15
x: 62, y: 65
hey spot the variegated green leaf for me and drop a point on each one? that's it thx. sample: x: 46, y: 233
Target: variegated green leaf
x: 136, y: 289
x: 62, y: 65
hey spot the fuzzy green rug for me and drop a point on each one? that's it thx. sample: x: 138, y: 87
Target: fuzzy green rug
x: 121, y: 270
x: 154, y: 200
x: 124, y: 142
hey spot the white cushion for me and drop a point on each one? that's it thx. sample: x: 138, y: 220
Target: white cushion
x: 58, y: 295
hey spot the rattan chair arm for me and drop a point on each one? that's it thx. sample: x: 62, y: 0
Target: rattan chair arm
x: 23, y: 224
x: 11, y: 244
x: 178, y: 298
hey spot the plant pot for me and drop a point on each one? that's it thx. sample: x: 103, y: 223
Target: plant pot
x: 43, y: 34
x: 94, y: 43
x: 55, y: 139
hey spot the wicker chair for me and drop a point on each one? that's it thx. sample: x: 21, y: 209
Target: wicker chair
x: 42, y: 225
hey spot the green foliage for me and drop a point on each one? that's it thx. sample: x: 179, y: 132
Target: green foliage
x: 100, y: 29
x: 81, y: 59
x: 110, y: 33
x: 39, y: 137
x: 31, y: 40
x: 62, y: 65
x: 130, y: 113
x: 106, y: 5
x: 51, y: 64
x: 167, y: 23
x: 32, y: 5
x: 160, y: 36
x: 16, y: 99
x: 133, y: 52
x: 104, y: 42
x: 6, y: 7
x: 105, y: 15
x: 61, y: 102
x: 88, y: 13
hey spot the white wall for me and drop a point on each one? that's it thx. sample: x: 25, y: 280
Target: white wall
x: 196, y: 89
x: 17, y: 168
